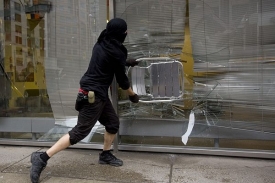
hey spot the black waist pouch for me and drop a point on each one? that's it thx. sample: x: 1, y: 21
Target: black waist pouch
x: 80, y: 100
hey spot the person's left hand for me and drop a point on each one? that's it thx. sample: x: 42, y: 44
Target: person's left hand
x: 134, y: 98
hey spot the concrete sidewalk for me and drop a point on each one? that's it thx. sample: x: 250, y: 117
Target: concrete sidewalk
x: 80, y: 166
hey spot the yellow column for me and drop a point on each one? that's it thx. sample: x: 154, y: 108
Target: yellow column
x: 188, y: 62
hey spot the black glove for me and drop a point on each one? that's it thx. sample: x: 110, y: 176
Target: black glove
x: 131, y: 62
x: 134, y: 98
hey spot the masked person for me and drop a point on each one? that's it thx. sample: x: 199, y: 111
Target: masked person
x: 108, y: 59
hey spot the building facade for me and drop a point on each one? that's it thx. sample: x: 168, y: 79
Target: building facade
x: 226, y: 52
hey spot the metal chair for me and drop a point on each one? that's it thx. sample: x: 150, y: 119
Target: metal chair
x: 159, y: 80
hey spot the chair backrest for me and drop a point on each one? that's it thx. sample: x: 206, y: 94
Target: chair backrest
x: 165, y: 80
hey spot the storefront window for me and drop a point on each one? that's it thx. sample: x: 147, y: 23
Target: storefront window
x: 207, y: 63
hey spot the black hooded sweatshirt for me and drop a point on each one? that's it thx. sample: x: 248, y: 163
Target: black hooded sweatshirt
x: 108, y: 59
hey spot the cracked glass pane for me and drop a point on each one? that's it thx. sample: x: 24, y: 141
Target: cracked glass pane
x: 226, y: 49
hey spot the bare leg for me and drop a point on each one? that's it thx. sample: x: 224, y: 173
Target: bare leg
x: 108, y: 140
x: 61, y: 144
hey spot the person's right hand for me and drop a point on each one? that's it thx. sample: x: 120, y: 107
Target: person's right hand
x: 134, y: 98
x: 131, y: 62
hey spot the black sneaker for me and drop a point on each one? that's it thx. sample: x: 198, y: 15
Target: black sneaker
x: 37, y: 167
x: 109, y: 158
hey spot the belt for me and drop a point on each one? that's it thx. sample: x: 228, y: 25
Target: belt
x: 83, y: 91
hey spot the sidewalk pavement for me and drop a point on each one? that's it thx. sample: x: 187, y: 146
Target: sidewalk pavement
x: 81, y: 166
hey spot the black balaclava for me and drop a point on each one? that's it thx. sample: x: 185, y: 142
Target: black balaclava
x: 115, y: 29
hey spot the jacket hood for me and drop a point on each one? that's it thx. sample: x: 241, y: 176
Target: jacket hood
x: 115, y: 29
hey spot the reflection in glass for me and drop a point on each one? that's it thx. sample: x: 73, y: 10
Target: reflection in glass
x: 24, y: 92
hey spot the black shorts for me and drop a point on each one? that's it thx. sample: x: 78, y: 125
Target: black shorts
x: 89, y: 114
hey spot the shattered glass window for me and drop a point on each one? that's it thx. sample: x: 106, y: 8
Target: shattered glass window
x: 227, y: 52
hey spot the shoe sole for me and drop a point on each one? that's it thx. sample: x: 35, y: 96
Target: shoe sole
x: 32, y: 157
x: 112, y: 164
